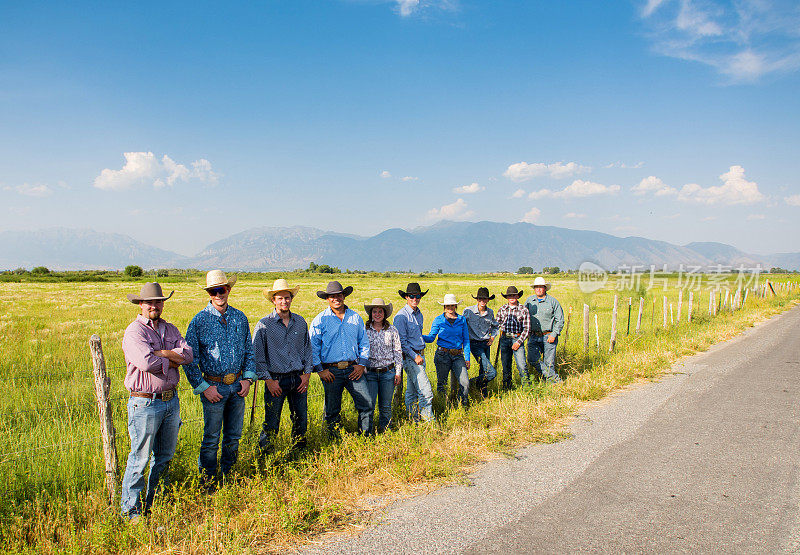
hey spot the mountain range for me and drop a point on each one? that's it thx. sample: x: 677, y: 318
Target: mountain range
x: 449, y: 246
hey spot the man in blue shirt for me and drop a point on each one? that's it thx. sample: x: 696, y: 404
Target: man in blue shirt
x: 547, y: 321
x: 340, y: 351
x: 482, y: 330
x: 408, y: 321
x: 222, y: 372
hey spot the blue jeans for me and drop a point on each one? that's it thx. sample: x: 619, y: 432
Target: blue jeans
x: 227, y: 416
x: 419, y: 394
x: 273, y: 406
x: 539, y: 348
x: 358, y: 391
x: 381, y: 393
x: 153, y: 427
x: 506, y: 352
x: 455, y: 364
x: 482, y: 353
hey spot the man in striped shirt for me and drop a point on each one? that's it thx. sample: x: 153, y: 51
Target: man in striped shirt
x: 515, y: 326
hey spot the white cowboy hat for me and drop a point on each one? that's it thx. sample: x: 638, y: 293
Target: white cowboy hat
x: 539, y: 281
x: 449, y: 299
x: 279, y: 285
x: 380, y: 303
x: 217, y: 278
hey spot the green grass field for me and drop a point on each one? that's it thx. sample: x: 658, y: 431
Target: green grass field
x: 50, y: 455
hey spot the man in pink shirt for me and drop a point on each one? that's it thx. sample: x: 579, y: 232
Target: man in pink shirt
x: 154, y: 349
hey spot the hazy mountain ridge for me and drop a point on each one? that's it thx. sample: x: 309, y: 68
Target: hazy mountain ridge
x: 450, y: 246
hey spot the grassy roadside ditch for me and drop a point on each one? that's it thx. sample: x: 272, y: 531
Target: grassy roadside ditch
x: 290, y: 499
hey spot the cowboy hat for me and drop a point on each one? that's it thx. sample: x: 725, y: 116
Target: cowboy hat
x: 279, y: 285
x: 413, y: 289
x: 378, y: 302
x: 483, y: 293
x: 539, y: 281
x: 512, y: 290
x: 449, y: 299
x: 149, y: 292
x: 217, y: 278
x: 333, y: 288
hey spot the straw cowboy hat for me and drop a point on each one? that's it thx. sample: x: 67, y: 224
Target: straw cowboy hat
x: 449, y: 299
x: 149, y: 292
x: 334, y: 288
x: 512, y: 290
x: 279, y: 285
x: 413, y: 289
x: 540, y: 281
x: 483, y: 293
x: 217, y: 278
x: 378, y: 302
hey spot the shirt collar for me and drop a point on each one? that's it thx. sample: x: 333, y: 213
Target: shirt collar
x: 210, y: 308
x: 147, y: 321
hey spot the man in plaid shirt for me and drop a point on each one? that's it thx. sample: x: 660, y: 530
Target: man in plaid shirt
x: 515, y: 326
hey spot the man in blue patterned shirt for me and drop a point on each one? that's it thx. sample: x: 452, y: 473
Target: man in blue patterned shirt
x: 340, y: 350
x: 222, y: 372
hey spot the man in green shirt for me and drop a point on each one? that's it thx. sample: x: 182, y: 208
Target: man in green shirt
x: 547, y: 321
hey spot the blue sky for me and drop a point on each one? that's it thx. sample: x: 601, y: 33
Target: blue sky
x: 180, y: 124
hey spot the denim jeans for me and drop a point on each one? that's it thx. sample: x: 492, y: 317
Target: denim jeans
x: 419, y: 394
x: 539, y: 348
x: 273, y: 406
x: 506, y: 352
x: 482, y: 353
x: 381, y: 393
x: 358, y: 391
x: 153, y: 427
x: 227, y: 416
x: 455, y: 364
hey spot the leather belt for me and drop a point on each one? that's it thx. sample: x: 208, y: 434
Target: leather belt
x: 227, y: 379
x: 452, y: 351
x: 164, y: 395
x: 341, y: 365
x: 540, y: 333
x: 381, y: 369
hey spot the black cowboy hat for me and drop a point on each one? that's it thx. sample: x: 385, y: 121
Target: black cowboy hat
x: 512, y: 290
x: 413, y: 289
x: 483, y: 293
x: 334, y: 288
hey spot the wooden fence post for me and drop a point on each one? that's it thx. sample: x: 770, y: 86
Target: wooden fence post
x: 639, y: 318
x: 746, y: 292
x: 671, y: 315
x: 614, y: 325
x: 597, y: 332
x: 585, y: 327
x: 630, y: 301
x: 102, y: 388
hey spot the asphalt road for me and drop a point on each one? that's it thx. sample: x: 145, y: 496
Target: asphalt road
x: 707, y: 459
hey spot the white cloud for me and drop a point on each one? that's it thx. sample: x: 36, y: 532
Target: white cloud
x: 793, y: 200
x: 408, y: 7
x: 743, y: 40
x: 519, y: 193
x: 385, y: 174
x: 574, y: 215
x: 455, y: 211
x: 28, y: 190
x: 734, y: 190
x: 756, y: 217
x: 143, y: 168
x: 655, y: 185
x: 408, y: 178
x: 624, y: 166
x: 469, y: 189
x: 577, y: 189
x: 523, y: 171
x: 531, y: 215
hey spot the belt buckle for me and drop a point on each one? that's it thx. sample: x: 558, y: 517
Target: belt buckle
x: 167, y: 395
x: 342, y: 364
x: 228, y: 379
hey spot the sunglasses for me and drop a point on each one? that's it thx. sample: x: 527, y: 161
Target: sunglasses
x: 414, y: 296
x: 217, y: 291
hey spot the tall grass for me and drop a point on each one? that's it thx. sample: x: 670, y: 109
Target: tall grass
x: 54, y: 499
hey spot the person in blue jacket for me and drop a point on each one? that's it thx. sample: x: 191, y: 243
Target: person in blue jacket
x: 452, y: 351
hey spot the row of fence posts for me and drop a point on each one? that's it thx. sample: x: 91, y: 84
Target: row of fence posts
x: 102, y: 381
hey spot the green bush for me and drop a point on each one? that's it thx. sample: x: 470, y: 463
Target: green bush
x: 40, y: 271
x: 134, y: 271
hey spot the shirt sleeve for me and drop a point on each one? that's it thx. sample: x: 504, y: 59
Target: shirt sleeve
x: 526, y: 325
x: 465, y: 338
x: 363, y: 343
x: 192, y: 370
x: 260, y: 352
x: 308, y: 365
x: 431, y: 337
x: 248, y: 362
x: 315, y: 336
x: 558, y: 318
x: 181, y: 347
x: 139, y: 353
x: 494, y: 325
x: 402, y: 334
x: 398, y: 350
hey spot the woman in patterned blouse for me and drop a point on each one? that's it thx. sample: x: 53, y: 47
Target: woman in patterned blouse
x: 385, y: 367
